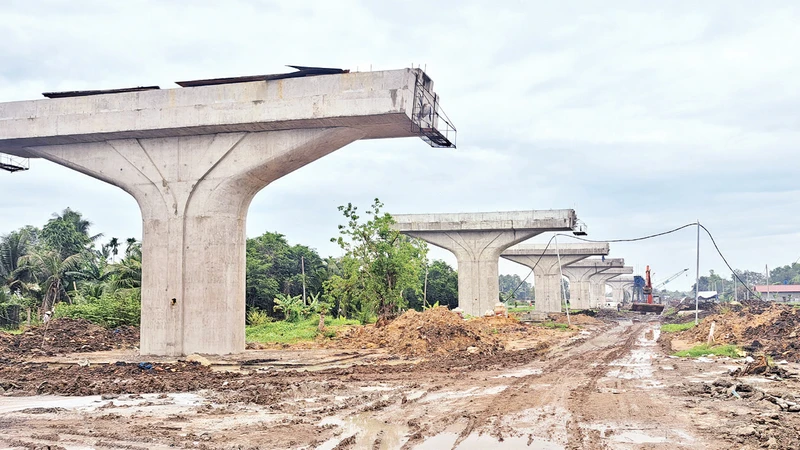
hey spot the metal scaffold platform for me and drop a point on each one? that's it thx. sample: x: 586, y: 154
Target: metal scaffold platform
x: 13, y: 164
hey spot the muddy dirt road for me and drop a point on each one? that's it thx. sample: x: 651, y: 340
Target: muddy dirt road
x: 606, y: 386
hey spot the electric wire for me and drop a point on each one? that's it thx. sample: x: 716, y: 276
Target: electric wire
x: 642, y: 238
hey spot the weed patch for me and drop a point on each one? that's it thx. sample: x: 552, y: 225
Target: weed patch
x: 703, y: 349
x: 283, y: 332
x: 676, y: 327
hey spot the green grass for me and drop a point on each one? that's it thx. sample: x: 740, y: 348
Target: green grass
x: 675, y: 327
x: 516, y: 309
x: 703, y: 349
x: 556, y: 325
x: 282, y: 332
x: 12, y: 330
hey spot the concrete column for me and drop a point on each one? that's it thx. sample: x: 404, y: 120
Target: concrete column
x: 618, y: 287
x: 547, y: 279
x: 478, y: 254
x: 598, y: 283
x: 195, y: 156
x: 194, y: 193
x: 477, y: 240
x: 546, y: 271
x: 579, y: 274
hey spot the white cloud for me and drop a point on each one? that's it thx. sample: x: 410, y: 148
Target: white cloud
x: 640, y: 118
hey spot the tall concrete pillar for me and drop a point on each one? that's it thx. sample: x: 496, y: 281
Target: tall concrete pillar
x: 477, y: 240
x: 544, y: 260
x: 618, y: 287
x: 580, y: 290
x: 598, y: 283
x: 193, y: 159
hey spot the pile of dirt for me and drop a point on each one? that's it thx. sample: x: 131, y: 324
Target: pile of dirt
x: 772, y: 330
x: 431, y: 333
x: 67, y: 336
x: 576, y: 319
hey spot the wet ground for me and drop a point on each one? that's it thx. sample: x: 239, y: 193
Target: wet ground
x: 604, y: 386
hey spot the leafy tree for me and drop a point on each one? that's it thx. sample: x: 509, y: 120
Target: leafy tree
x: 274, y: 267
x: 378, y: 266
x: 52, y: 273
x: 442, y: 287
x: 508, y: 283
x: 13, y: 246
x: 789, y: 274
x: 67, y: 233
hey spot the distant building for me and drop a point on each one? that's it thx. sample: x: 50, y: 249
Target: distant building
x: 779, y: 292
x: 708, y: 296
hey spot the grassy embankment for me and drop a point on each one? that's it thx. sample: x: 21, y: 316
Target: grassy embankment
x: 705, y: 350
x: 676, y: 327
x: 283, y: 332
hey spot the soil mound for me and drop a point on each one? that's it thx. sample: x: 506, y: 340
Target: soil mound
x: 772, y: 330
x: 434, y: 332
x: 67, y: 336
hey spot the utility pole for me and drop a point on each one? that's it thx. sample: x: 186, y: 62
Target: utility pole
x: 697, y: 280
x: 303, y: 271
x: 561, y: 281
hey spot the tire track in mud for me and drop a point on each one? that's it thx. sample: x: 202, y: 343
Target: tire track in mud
x: 562, y: 373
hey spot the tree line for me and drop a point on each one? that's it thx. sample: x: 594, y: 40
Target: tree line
x: 64, y: 269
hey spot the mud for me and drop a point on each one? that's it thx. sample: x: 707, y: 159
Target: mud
x: 604, y: 385
x: 771, y: 330
x: 60, y: 336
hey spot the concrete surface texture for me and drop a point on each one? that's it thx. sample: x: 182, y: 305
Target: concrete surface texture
x: 477, y: 240
x: 193, y: 158
x: 620, y: 285
x: 580, y: 290
x: 544, y: 260
x: 598, y: 283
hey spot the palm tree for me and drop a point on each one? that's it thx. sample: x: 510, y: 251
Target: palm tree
x: 12, y: 247
x: 131, y: 244
x: 127, y: 274
x: 76, y: 219
x: 113, y: 244
x: 51, y: 273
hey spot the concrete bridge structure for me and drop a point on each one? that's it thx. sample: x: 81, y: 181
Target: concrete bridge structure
x: 547, y: 265
x: 619, y: 285
x: 477, y: 240
x: 579, y: 274
x: 194, y: 157
x: 598, y: 283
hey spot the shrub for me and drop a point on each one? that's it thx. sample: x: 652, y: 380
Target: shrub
x: 110, y: 310
x: 256, y: 317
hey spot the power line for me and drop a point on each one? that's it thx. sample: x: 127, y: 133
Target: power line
x: 642, y: 238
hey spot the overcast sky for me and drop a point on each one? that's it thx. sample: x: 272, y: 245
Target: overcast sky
x: 640, y: 117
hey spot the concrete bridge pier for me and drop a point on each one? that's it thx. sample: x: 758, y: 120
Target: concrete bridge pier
x: 194, y: 193
x: 544, y: 261
x: 580, y: 289
x: 598, y: 283
x: 477, y: 240
x: 618, y: 287
x: 194, y: 158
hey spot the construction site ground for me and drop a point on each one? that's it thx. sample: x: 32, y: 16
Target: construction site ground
x: 606, y: 383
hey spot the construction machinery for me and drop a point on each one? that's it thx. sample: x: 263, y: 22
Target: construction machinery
x: 647, y: 290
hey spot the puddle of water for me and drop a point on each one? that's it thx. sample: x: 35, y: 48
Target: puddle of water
x: 520, y: 373
x: 637, y: 437
x: 376, y: 388
x: 366, y: 430
x: 10, y: 404
x: 471, y: 392
x: 92, y: 402
x: 635, y: 434
x: 482, y: 442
